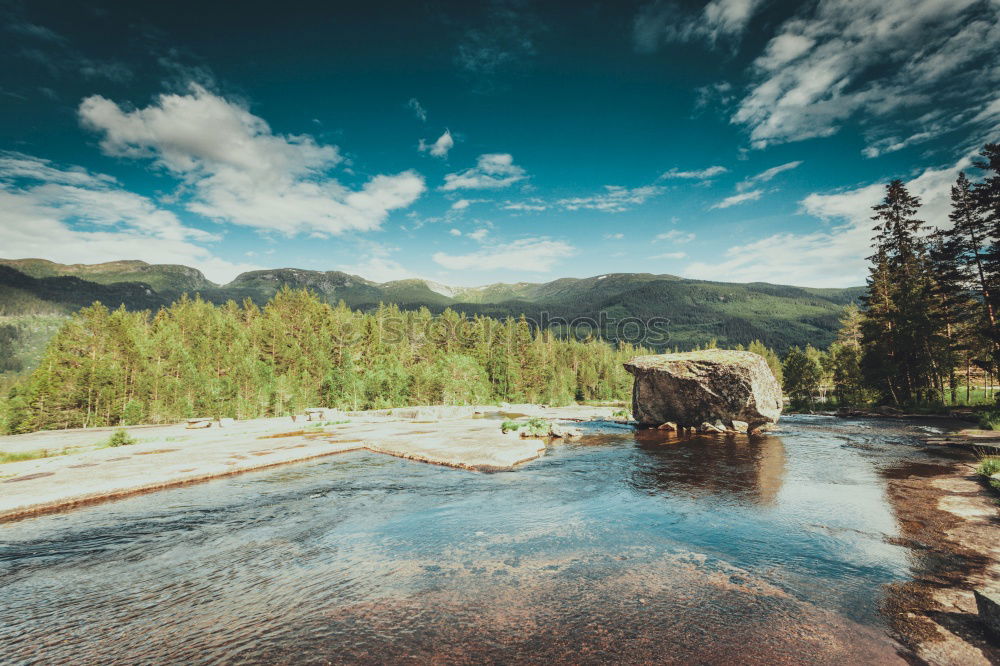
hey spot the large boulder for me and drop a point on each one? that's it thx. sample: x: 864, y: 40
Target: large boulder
x: 705, y: 386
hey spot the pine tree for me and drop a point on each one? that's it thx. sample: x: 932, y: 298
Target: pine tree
x: 899, y: 327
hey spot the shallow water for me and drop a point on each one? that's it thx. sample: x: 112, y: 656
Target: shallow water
x: 626, y: 547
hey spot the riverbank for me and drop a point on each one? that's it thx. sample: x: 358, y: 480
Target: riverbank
x: 949, y: 516
x: 168, y: 456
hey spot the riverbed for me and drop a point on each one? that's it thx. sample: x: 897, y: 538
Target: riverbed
x: 626, y: 546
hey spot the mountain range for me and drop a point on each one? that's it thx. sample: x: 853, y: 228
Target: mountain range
x: 697, y: 310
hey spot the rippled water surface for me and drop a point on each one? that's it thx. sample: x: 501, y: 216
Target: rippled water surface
x: 624, y: 547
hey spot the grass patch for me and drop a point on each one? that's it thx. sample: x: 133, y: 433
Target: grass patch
x: 24, y: 455
x: 531, y: 428
x: 36, y: 454
x: 987, y: 467
x: 623, y: 414
x: 324, y: 424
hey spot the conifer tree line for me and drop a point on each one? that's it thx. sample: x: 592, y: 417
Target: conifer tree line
x: 929, y: 317
x: 196, y: 359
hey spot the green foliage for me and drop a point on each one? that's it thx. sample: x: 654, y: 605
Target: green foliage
x: 120, y: 438
x: 931, y: 307
x: 803, y: 374
x: 699, y: 311
x: 987, y: 467
x: 534, y: 427
x: 990, y: 419
x: 115, y: 367
x: 623, y: 414
x: 18, y: 456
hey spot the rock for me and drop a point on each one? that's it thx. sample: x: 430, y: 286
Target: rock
x: 703, y: 387
x: 988, y: 603
x: 669, y: 426
x: 565, y: 432
x: 740, y: 426
x: 707, y: 427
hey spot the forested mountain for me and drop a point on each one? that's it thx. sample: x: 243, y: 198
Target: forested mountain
x: 697, y: 311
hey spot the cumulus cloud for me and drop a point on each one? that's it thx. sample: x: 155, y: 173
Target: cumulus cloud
x: 492, y: 171
x: 662, y: 22
x: 439, y: 148
x: 240, y: 171
x: 529, y: 254
x: 479, y: 235
x: 697, y: 174
x: 670, y: 255
x: 71, y: 215
x: 737, y: 199
x: 892, y: 58
x: 833, y: 254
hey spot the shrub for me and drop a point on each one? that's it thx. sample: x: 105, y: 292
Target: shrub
x: 987, y: 467
x: 990, y: 420
x: 120, y: 438
x: 531, y: 428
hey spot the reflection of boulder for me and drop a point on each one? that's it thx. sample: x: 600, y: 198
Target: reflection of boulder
x: 704, y: 386
x: 749, y: 469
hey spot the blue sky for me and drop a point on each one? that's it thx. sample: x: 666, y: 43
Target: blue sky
x: 471, y: 143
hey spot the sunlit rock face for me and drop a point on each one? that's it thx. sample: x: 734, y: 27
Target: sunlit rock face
x: 710, y: 386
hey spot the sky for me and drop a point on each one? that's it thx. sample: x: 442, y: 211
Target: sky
x: 470, y: 143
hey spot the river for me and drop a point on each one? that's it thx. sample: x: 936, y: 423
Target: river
x: 625, y: 547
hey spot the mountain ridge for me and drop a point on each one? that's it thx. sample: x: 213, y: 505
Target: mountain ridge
x: 698, y: 310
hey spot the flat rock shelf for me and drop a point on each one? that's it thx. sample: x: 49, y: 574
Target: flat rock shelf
x: 167, y: 456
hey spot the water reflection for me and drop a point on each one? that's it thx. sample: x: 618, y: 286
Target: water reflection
x: 736, y: 468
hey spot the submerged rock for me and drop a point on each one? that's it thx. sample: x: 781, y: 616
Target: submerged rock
x: 705, y: 387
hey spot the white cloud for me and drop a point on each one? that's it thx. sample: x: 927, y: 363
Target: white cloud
x: 531, y: 205
x: 479, y: 235
x: 71, y: 215
x: 617, y: 236
x: 529, y: 254
x: 737, y: 199
x: 377, y: 268
x: 670, y: 255
x: 892, y: 144
x: 662, y: 22
x: 492, y: 171
x: 839, y: 58
x: 767, y: 175
x: 699, y: 174
x: 675, y: 236
x: 830, y: 256
x: 462, y: 204
x: 418, y: 110
x: 240, y: 171
x: 440, y: 147
x: 615, y: 199
x: 455, y: 232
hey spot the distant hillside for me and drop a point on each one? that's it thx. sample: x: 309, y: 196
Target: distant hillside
x: 697, y: 310
x: 161, y: 277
